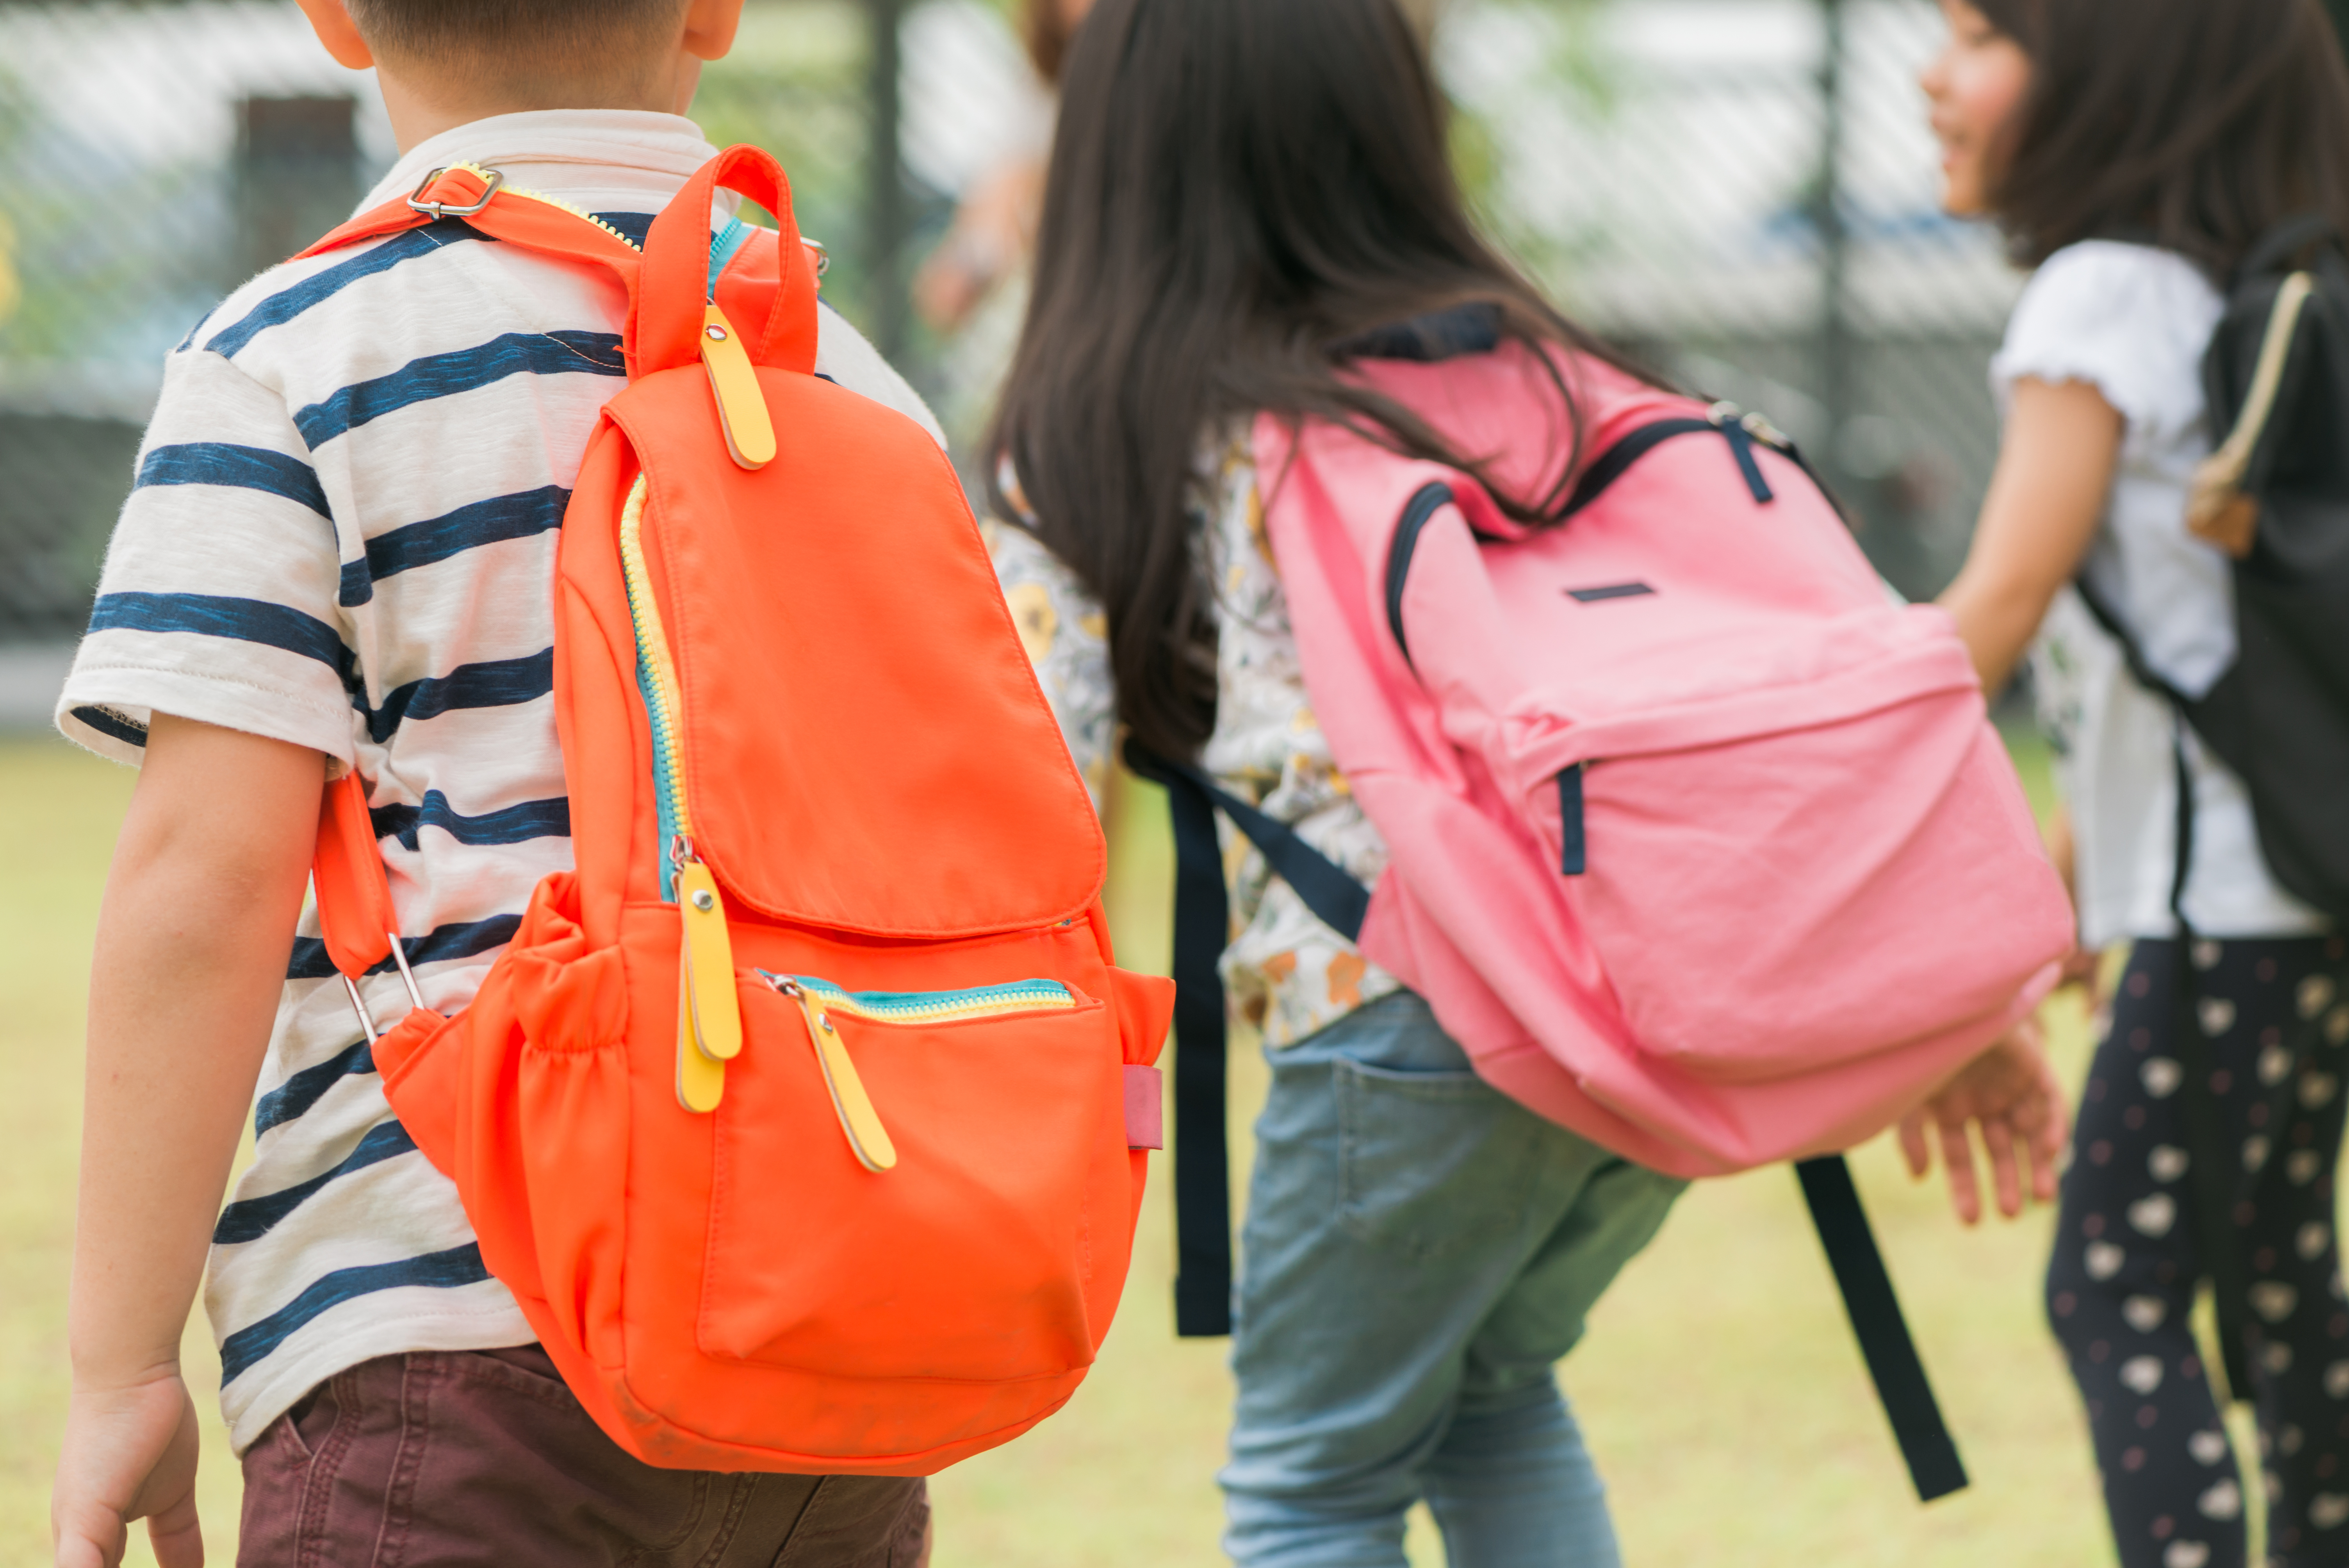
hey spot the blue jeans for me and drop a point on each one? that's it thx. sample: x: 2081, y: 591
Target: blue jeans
x: 1419, y: 1251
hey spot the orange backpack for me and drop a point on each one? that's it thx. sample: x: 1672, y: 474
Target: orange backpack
x: 805, y: 1117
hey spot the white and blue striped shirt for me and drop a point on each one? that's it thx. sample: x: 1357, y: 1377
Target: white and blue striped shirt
x: 343, y: 536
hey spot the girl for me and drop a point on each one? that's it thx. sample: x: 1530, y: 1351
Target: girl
x: 1237, y: 188
x: 1245, y: 196
x: 2133, y: 152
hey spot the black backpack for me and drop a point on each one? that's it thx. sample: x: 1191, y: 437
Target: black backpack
x: 2275, y: 495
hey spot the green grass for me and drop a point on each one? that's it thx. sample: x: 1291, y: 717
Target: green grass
x: 1719, y: 1386
x: 59, y: 810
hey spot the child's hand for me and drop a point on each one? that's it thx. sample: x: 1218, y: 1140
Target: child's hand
x: 130, y: 1454
x: 2013, y: 1093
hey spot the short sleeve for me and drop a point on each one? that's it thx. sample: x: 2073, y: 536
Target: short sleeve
x: 219, y: 602
x: 1067, y: 638
x: 2131, y: 321
x: 845, y: 356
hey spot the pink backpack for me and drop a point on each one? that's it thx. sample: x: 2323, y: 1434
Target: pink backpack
x: 1701, y: 844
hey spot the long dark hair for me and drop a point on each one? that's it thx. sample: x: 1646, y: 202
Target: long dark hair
x: 1239, y: 188
x: 2196, y: 125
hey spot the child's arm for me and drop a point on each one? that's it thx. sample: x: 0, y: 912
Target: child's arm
x: 198, y: 919
x: 2046, y: 501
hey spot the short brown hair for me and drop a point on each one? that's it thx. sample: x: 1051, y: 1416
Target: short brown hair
x: 574, y: 37
x: 2196, y: 125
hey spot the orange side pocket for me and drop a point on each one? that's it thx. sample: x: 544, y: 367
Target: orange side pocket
x: 420, y: 1062
x: 1145, y: 1010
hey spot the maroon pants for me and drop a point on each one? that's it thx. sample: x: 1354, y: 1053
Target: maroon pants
x: 484, y: 1459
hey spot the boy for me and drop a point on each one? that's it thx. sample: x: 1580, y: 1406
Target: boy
x: 339, y: 556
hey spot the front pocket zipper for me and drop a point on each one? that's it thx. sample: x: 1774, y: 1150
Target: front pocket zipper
x: 708, y: 1014
x: 868, y: 1139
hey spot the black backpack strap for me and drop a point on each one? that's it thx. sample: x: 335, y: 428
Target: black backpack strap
x: 2283, y: 242
x: 1202, y: 1193
x: 2212, y: 1169
x: 1877, y: 1323
x: 2100, y: 610
x: 1202, y: 1201
x: 1202, y: 1196
x: 2212, y: 1166
x: 1326, y: 888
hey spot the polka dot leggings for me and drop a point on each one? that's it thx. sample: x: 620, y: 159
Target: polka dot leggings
x: 2273, y: 1016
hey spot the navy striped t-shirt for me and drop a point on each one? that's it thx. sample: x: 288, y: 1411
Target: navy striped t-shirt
x: 343, y: 536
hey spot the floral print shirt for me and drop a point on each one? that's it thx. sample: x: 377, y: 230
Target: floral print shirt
x: 1285, y: 971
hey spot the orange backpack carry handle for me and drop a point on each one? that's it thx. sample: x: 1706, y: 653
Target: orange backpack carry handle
x: 806, y: 1117
x: 669, y: 320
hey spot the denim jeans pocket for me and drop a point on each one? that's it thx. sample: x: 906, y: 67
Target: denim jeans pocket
x: 1429, y: 1162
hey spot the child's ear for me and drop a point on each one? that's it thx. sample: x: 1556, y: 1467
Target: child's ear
x: 709, y: 27
x: 341, y: 34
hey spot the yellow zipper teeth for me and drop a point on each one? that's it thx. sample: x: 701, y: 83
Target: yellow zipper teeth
x: 652, y: 638
x: 478, y: 172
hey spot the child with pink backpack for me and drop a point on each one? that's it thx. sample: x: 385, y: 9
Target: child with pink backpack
x: 2163, y: 540
x: 1595, y: 820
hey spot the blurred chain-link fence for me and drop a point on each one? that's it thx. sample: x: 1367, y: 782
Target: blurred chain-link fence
x: 1741, y: 189
x: 1746, y: 191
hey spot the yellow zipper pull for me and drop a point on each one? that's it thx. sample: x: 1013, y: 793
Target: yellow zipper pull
x: 741, y: 406
x: 701, y: 1082
x: 712, y: 1009
x: 867, y: 1139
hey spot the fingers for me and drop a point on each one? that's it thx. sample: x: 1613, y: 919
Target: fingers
x: 2005, y: 1173
x: 2043, y: 1160
x: 1957, y: 1155
x: 97, y: 1542
x: 177, y: 1536
x: 1913, y: 1150
x: 2048, y: 1136
x: 2094, y: 985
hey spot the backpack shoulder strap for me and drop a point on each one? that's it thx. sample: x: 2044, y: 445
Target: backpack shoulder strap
x: 356, y: 915
x: 2283, y: 242
x: 480, y: 199
x: 2101, y: 610
x: 2213, y: 1203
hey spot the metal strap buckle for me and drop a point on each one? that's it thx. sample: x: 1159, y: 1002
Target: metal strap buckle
x: 443, y: 210
x: 359, y: 1003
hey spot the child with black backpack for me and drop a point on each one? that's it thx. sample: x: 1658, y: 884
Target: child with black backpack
x: 2144, y: 155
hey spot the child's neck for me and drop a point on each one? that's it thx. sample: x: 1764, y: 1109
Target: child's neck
x: 418, y: 115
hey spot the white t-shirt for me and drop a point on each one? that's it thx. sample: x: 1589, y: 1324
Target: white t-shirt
x: 343, y: 536
x: 2134, y: 322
